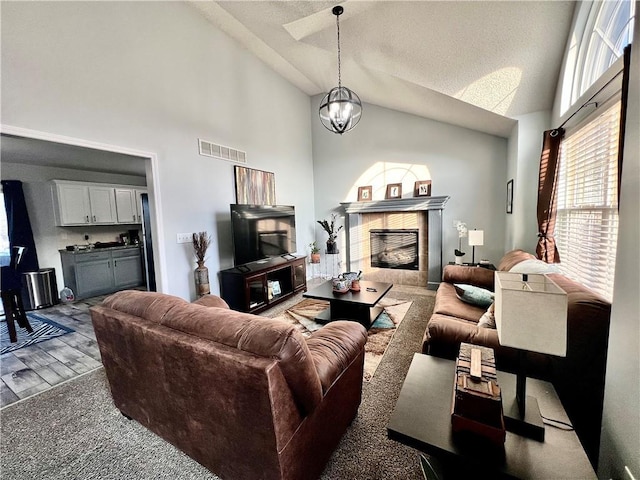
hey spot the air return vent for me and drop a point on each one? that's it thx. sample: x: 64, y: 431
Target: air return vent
x: 209, y: 149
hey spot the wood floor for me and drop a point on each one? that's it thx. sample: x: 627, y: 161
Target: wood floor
x: 36, y: 368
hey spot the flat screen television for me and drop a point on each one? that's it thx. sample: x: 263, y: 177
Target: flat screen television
x: 262, y: 231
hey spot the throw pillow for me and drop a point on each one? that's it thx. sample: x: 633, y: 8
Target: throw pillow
x: 488, y: 319
x: 474, y: 295
x: 534, y: 266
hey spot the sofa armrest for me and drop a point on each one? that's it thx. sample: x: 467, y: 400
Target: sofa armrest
x: 211, y: 301
x: 478, y: 276
x: 334, y: 347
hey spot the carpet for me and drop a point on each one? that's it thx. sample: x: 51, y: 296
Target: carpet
x: 43, y: 329
x: 74, y: 431
x: 380, y: 334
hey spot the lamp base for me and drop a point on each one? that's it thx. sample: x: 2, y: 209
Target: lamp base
x: 530, y: 424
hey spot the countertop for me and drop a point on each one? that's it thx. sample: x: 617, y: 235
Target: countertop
x: 100, y: 249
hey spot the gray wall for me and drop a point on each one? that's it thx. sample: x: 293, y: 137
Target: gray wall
x: 621, y: 421
x: 388, y: 146
x: 525, y: 145
x: 155, y: 77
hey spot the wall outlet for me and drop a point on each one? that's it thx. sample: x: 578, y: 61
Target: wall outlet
x: 185, y: 237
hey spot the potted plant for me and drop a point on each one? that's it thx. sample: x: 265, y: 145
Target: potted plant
x: 462, y: 232
x: 331, y: 229
x: 201, y: 242
x: 315, y: 253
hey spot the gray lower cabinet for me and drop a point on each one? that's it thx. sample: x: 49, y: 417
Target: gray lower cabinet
x: 90, y: 273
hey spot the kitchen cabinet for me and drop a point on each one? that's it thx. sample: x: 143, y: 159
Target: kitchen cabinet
x: 101, y: 271
x: 82, y: 203
x: 127, y: 212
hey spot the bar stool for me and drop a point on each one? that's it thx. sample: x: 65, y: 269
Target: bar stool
x: 11, y: 298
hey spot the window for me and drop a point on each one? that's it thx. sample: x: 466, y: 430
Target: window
x: 602, y: 31
x: 586, y: 230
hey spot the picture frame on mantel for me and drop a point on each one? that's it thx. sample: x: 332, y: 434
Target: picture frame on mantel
x: 365, y: 193
x: 422, y: 188
x: 510, y: 196
x: 394, y: 190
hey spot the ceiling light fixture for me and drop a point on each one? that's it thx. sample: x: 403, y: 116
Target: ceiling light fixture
x: 340, y: 109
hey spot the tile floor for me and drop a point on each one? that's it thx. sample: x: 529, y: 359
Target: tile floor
x: 36, y: 368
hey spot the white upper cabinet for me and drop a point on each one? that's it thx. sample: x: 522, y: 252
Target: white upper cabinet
x: 103, y: 205
x: 126, y: 206
x: 72, y: 201
x: 80, y: 203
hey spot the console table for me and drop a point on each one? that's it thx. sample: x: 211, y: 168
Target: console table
x: 257, y: 286
x: 422, y: 420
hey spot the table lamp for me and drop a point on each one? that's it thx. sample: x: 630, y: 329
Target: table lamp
x: 531, y: 315
x: 476, y: 237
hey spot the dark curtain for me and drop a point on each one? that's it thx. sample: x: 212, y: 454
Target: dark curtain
x: 623, y: 113
x: 547, y: 195
x: 20, y: 234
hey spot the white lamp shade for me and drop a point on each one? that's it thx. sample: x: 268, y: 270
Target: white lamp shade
x: 476, y: 237
x: 531, y: 314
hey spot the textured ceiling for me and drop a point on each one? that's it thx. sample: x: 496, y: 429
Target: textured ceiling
x: 476, y: 64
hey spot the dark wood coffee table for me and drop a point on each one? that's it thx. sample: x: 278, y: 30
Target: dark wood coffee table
x: 358, y: 306
x: 422, y: 420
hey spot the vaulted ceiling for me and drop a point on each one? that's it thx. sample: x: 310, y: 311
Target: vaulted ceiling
x: 476, y: 64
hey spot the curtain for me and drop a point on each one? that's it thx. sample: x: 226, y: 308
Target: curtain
x: 20, y: 234
x: 547, y: 195
x: 623, y: 113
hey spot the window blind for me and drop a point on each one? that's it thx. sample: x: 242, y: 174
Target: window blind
x: 586, y: 230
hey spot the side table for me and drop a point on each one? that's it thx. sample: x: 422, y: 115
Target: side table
x: 422, y: 420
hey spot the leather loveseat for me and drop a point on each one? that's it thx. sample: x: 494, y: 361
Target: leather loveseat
x: 245, y: 396
x: 578, y: 378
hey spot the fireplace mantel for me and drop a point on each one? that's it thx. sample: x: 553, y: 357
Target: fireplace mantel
x: 396, y: 205
x: 432, y: 205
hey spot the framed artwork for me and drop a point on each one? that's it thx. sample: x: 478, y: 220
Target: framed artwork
x: 510, y: 196
x: 394, y: 190
x: 255, y: 187
x: 422, y: 188
x: 364, y: 193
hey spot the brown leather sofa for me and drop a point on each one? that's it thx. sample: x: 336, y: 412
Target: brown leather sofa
x: 246, y: 396
x: 578, y: 378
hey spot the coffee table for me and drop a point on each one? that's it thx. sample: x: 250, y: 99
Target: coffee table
x: 422, y: 420
x: 358, y: 306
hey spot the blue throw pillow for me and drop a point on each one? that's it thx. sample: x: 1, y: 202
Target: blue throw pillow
x: 472, y: 295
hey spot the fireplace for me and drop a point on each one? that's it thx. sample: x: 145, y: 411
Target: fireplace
x: 394, y: 248
x: 421, y: 214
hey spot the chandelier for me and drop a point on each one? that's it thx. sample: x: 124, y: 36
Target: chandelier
x: 340, y: 109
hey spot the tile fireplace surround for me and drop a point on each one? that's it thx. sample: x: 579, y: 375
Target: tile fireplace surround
x: 427, y: 214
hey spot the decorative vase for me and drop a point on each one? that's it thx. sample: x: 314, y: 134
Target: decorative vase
x: 315, y: 258
x: 332, y: 246
x: 458, y: 260
x: 202, y: 280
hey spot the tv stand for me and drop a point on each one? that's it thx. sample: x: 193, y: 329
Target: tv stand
x: 257, y: 286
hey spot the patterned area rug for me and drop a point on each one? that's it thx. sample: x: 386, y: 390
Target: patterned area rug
x: 43, y: 329
x: 380, y: 334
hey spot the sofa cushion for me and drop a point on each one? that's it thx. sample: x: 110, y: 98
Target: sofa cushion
x: 534, y: 266
x: 512, y: 258
x: 334, y: 347
x: 478, y: 276
x: 448, y: 303
x: 473, y: 295
x: 488, y: 318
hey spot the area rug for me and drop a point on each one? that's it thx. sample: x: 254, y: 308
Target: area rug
x: 380, y: 334
x: 43, y: 329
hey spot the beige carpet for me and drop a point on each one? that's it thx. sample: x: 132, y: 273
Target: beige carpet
x: 380, y: 333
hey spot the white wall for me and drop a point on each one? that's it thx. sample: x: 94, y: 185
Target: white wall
x: 525, y: 146
x: 155, y: 77
x: 48, y: 237
x: 620, y: 443
x: 464, y: 164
